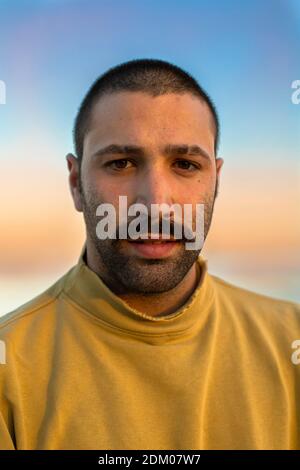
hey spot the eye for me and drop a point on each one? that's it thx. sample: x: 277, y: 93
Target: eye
x: 186, y: 165
x: 120, y: 164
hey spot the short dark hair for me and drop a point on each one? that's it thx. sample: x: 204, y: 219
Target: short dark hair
x: 152, y: 76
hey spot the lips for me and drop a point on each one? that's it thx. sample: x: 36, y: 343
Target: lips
x: 154, y: 249
x: 152, y: 238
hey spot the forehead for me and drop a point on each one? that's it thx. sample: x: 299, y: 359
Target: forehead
x: 138, y: 115
x: 130, y: 106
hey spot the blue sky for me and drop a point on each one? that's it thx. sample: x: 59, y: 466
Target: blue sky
x: 245, y: 54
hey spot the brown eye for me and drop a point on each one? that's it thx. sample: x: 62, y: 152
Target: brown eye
x: 185, y: 165
x: 120, y: 164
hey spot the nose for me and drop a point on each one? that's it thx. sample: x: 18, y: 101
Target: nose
x: 154, y: 187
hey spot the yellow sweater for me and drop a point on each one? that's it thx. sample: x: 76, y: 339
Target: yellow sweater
x: 83, y: 370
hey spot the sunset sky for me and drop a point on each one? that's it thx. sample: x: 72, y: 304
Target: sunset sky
x: 244, y: 54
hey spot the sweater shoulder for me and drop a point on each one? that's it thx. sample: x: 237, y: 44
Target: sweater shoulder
x: 256, y: 305
x: 40, y: 303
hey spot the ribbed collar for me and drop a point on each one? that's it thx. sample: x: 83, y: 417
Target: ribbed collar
x: 84, y: 287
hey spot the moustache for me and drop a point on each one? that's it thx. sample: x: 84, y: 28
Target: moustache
x: 149, y: 228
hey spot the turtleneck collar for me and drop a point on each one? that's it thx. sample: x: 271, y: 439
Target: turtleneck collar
x: 84, y: 287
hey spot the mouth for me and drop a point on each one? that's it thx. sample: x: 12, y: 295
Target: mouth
x: 154, y: 249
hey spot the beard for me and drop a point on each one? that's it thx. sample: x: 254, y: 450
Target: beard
x: 132, y: 274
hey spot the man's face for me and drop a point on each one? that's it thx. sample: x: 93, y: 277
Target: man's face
x: 148, y: 176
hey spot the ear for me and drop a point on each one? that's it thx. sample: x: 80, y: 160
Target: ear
x: 219, y: 164
x: 74, y: 183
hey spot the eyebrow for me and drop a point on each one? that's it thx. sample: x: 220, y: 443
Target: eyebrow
x: 170, y: 149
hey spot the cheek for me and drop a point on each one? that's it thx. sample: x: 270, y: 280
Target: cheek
x: 206, y: 183
x: 101, y: 188
x: 198, y: 190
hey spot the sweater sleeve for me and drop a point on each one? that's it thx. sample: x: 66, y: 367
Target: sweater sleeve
x: 6, y: 441
x: 6, y: 414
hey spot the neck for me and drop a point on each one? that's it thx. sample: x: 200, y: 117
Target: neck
x: 154, y: 305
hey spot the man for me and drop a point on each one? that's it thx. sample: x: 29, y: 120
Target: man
x: 137, y: 346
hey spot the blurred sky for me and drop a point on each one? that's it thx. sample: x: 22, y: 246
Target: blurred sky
x: 245, y: 54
